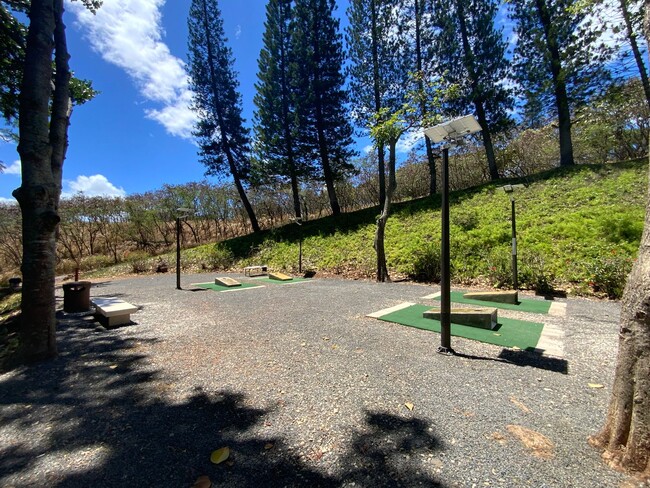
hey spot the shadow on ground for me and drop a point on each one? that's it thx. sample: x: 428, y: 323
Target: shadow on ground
x: 97, y: 416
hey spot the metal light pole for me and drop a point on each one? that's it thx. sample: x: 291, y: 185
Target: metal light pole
x: 184, y: 213
x: 510, y: 190
x: 445, y: 260
x: 449, y: 132
x: 298, y: 221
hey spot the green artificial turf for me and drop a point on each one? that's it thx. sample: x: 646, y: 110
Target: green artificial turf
x: 215, y: 287
x: 508, y: 332
x: 524, y: 305
x: 280, y: 282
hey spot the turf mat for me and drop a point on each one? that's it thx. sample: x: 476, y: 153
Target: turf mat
x: 215, y: 287
x: 524, y: 305
x: 508, y: 332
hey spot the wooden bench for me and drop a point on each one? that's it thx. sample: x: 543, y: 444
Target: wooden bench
x: 255, y: 270
x: 112, y: 311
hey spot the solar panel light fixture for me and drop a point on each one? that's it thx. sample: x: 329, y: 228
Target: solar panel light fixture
x: 449, y: 133
x: 454, y: 129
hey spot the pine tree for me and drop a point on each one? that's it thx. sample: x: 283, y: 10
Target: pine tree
x: 275, y: 122
x: 323, y: 129
x: 472, y: 52
x: 378, y: 67
x: 222, y: 137
x: 557, y: 62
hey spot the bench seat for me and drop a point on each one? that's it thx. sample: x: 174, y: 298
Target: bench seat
x: 113, y: 311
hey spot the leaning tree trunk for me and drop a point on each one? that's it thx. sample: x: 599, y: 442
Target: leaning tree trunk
x: 43, y: 143
x: 625, y: 438
x: 382, y: 268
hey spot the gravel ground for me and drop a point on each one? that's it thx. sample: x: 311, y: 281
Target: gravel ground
x: 305, y: 390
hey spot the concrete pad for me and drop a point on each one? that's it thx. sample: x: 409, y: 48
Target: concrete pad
x: 386, y: 311
x: 551, y: 342
x: 557, y: 309
x: 280, y: 277
x: 483, y: 318
x: 507, y: 296
x: 226, y: 281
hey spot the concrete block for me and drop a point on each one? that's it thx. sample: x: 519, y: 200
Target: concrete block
x: 483, y: 318
x: 280, y: 277
x: 508, y: 296
x: 225, y: 281
x: 255, y: 270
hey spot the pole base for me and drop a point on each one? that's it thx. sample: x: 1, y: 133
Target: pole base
x: 447, y: 351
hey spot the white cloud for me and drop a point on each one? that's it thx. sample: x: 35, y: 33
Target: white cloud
x: 408, y: 141
x: 369, y: 148
x: 92, y: 186
x: 238, y: 32
x: 128, y: 34
x: 13, y: 168
x: 10, y: 201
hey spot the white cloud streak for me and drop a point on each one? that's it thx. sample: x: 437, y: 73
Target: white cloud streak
x: 128, y: 34
x: 92, y: 186
x: 13, y: 168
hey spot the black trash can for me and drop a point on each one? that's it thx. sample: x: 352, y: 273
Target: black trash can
x: 76, y: 296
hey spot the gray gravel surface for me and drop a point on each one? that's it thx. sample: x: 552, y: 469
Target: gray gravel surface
x: 305, y: 390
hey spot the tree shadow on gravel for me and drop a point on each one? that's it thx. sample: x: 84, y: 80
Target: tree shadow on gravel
x: 392, y: 451
x: 101, y: 415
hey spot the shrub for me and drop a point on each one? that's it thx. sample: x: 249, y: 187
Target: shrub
x: 608, y: 273
x: 535, y: 273
x: 220, y: 257
x: 426, y: 263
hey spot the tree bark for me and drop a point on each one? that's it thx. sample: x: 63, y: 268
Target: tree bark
x: 559, y: 85
x: 625, y: 437
x: 382, y: 268
x: 42, y: 147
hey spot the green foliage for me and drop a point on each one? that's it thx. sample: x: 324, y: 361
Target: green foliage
x: 608, y: 273
x: 220, y: 257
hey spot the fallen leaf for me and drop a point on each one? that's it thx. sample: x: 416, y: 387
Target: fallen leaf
x: 113, y: 366
x: 520, y: 405
x: 596, y: 385
x: 268, y: 446
x: 540, y: 445
x: 409, y: 405
x: 220, y: 455
x: 202, y: 482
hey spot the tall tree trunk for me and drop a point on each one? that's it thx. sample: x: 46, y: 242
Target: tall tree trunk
x: 322, y: 139
x: 631, y: 35
x: 559, y: 85
x: 382, y: 268
x: 226, y: 142
x: 625, y: 437
x: 423, y: 106
x: 295, y: 190
x: 477, y: 96
x: 42, y: 147
x: 375, y: 78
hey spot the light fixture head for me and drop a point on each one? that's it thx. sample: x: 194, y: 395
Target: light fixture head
x: 453, y: 129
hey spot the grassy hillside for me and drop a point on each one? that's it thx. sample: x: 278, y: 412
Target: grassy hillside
x: 578, y: 230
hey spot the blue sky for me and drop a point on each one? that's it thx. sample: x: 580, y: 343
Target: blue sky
x: 135, y: 135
